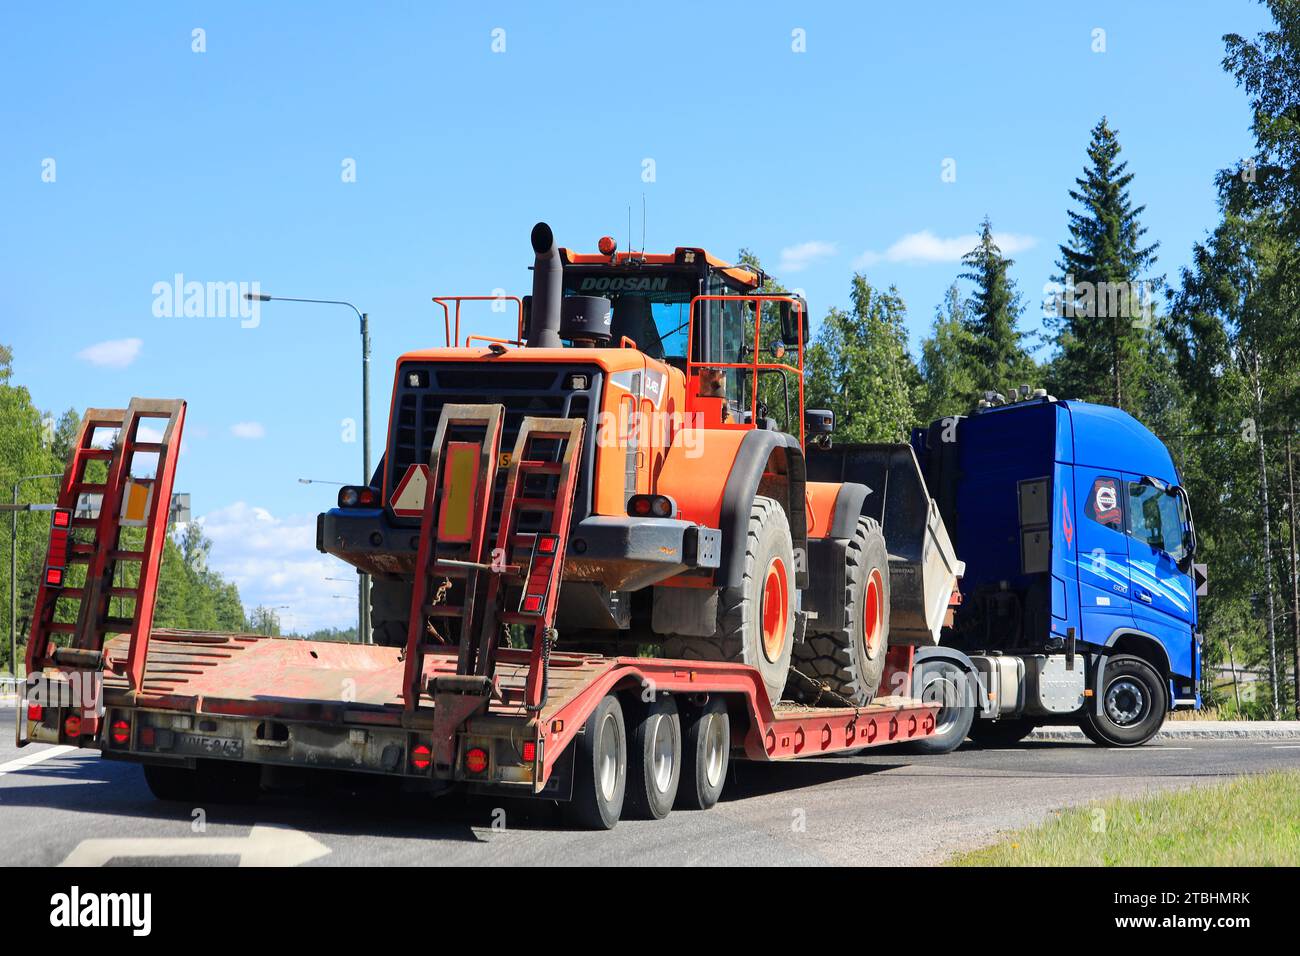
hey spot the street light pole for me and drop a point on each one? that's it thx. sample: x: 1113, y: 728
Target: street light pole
x: 363, y: 582
x: 13, y: 573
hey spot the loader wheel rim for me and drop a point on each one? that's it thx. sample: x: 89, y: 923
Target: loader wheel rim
x: 776, y: 609
x: 873, y: 613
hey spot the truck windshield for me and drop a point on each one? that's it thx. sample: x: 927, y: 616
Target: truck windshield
x: 652, y: 308
x: 1156, y: 517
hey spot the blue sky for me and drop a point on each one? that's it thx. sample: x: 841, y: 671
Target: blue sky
x: 228, y: 165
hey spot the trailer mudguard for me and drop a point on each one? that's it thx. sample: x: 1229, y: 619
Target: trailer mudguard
x: 745, y: 481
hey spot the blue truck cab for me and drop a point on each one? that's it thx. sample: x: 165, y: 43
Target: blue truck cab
x: 1077, y: 602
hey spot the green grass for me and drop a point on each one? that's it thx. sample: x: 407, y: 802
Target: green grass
x: 1249, y: 821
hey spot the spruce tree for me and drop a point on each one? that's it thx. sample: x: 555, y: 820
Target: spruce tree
x: 1102, y: 325
x: 997, y: 359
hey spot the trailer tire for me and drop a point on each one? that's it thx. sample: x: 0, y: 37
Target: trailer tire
x: 599, y: 768
x: 178, y: 784
x: 755, y: 620
x: 1006, y: 732
x: 1134, y: 701
x: 706, y: 753
x: 850, y: 660
x: 654, y: 766
x: 944, y: 683
x: 390, y: 609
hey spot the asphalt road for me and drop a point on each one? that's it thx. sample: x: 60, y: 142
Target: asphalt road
x: 881, y: 808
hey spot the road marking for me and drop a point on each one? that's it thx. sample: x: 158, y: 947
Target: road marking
x: 1286, y: 746
x: 264, y: 846
x: 28, y: 759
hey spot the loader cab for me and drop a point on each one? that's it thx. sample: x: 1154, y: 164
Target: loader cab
x: 699, y: 314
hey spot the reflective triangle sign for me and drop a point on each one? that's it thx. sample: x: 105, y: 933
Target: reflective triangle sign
x: 408, y: 496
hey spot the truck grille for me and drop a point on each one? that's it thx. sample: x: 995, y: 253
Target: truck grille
x: 536, y: 390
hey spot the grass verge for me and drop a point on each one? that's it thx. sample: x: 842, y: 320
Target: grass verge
x: 1248, y: 821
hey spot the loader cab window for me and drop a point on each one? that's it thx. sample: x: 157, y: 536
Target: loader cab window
x: 1156, y: 518
x: 651, y: 307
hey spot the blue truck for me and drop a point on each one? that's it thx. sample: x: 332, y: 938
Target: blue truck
x: 1077, y: 598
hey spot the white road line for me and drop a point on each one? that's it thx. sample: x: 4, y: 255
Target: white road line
x: 28, y: 759
x: 1286, y: 746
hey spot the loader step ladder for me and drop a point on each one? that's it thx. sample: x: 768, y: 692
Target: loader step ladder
x: 541, y: 481
x: 453, y: 537
x: 132, y: 492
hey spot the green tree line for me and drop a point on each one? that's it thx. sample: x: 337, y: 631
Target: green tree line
x: 1205, y: 360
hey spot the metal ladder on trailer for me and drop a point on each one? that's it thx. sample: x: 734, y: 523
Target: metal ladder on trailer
x: 452, y: 557
x: 125, y: 501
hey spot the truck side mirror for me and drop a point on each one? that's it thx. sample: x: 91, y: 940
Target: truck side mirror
x: 818, y: 421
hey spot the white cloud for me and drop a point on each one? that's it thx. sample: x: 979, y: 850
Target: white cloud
x: 274, y: 562
x: 925, y: 247
x: 797, y: 258
x: 115, y: 353
x: 248, y: 430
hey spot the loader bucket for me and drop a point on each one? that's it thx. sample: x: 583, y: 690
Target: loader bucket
x: 923, y: 567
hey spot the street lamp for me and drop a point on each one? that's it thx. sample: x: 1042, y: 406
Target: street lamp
x: 363, y: 582
x: 13, y: 573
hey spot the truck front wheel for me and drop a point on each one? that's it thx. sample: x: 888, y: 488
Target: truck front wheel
x: 1134, y: 700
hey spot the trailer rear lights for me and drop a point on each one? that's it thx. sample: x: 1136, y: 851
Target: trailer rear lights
x: 121, y: 732
x: 354, y: 496
x: 148, y: 737
x: 476, y: 760
x: 35, y: 712
x: 421, y: 757
x: 529, y: 752
x: 647, y: 506
x: 72, y: 726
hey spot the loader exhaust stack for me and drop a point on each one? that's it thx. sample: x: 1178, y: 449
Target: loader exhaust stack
x: 548, y: 272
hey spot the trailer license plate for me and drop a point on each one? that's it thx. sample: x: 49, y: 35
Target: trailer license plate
x: 230, y: 747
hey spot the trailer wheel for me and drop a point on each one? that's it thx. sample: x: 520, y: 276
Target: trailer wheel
x: 1006, y: 732
x: 654, y: 767
x: 1134, y: 700
x: 755, y: 620
x: 705, y: 756
x: 850, y: 659
x: 946, y: 684
x: 171, y: 783
x: 600, y: 768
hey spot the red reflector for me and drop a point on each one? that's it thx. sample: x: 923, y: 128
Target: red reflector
x: 421, y: 757
x: 121, y: 732
x: 532, y: 603
x: 63, y: 519
x: 530, y: 751
x: 147, y: 737
x: 547, y: 543
x: 72, y: 726
x: 54, y: 577
x: 476, y: 760
x: 35, y: 711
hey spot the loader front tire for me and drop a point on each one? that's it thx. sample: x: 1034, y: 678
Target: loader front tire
x: 756, y: 620
x: 848, y: 658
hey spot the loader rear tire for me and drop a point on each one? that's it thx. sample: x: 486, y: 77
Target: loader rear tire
x: 849, y: 659
x: 599, y: 769
x: 390, y: 609
x: 755, y: 620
